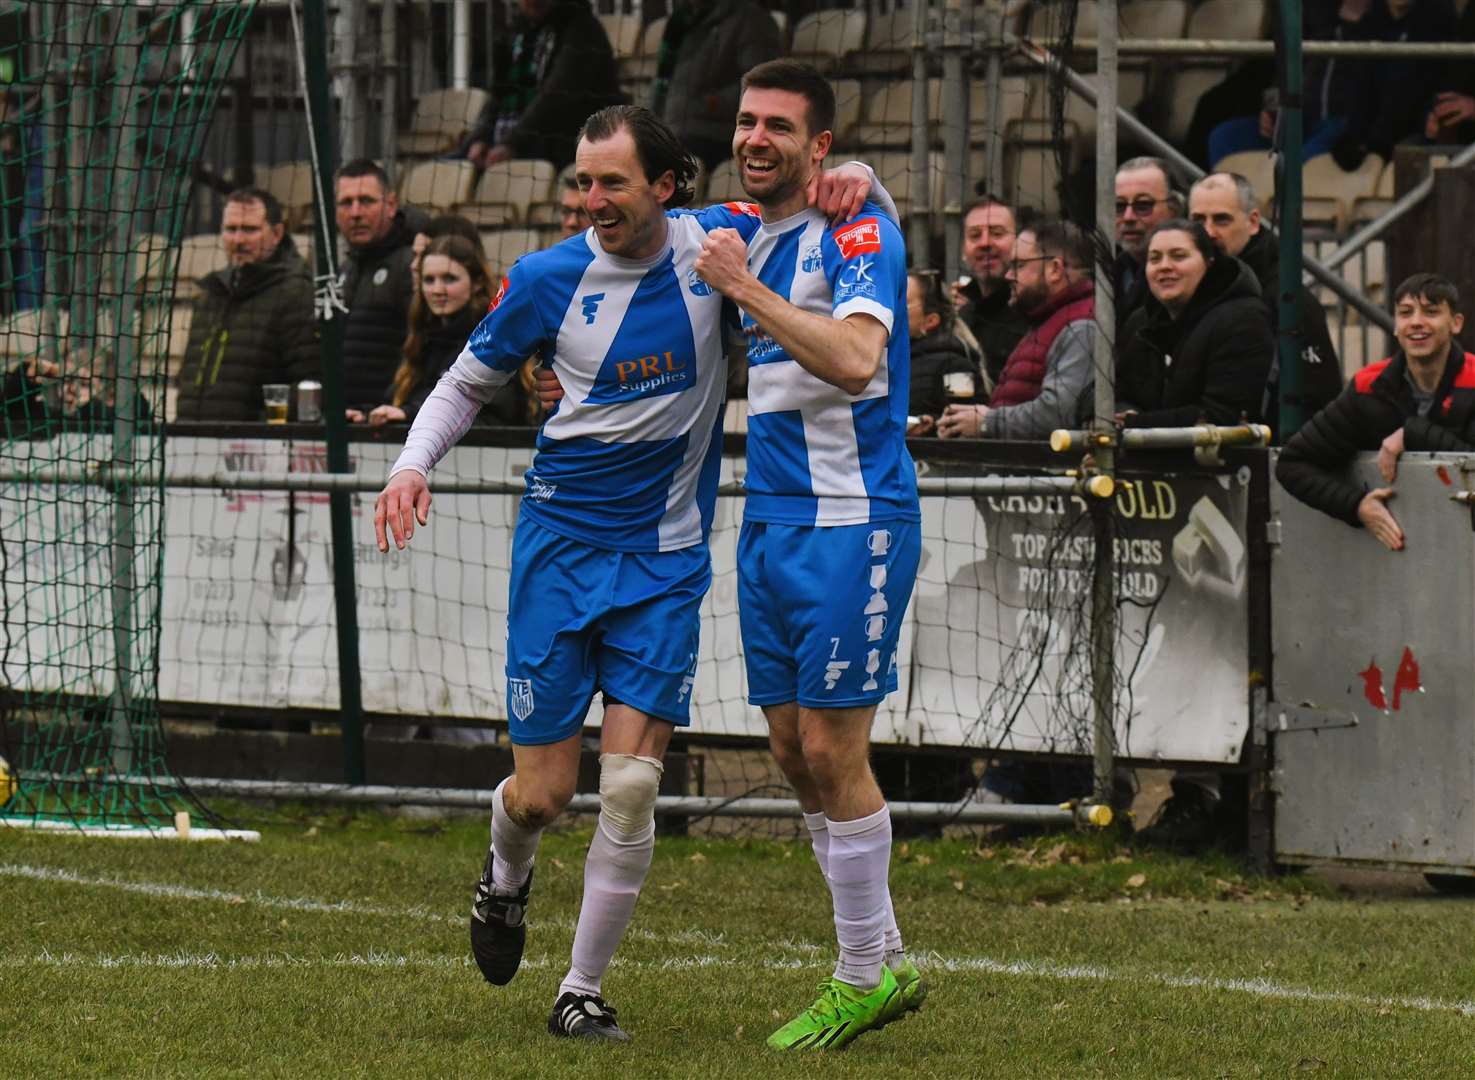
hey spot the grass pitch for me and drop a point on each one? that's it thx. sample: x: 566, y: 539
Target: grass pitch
x: 337, y: 947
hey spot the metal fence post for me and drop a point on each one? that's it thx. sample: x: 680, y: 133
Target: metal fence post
x: 331, y: 329
x: 1103, y: 582
x: 1288, y: 195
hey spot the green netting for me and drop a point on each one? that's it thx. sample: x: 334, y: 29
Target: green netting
x: 103, y: 109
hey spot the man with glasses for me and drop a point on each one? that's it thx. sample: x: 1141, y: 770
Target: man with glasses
x: 1144, y: 199
x: 1050, y: 285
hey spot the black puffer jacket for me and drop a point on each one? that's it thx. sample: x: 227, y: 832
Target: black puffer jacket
x: 939, y: 353
x: 1209, y: 364
x: 439, y: 350
x: 1321, y: 372
x: 253, y: 325
x: 378, y: 287
x: 1378, y: 401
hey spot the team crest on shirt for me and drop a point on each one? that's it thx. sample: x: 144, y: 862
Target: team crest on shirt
x: 813, y: 260
x: 697, y: 286
x: 520, y: 697
x: 862, y: 237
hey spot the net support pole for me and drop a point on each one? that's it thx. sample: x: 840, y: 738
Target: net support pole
x: 921, y: 215
x: 1288, y: 195
x: 350, y: 84
x: 124, y: 594
x: 315, y: 20
x: 1103, y: 581
x: 956, y: 48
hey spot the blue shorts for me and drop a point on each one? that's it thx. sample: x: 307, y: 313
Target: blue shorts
x: 582, y: 618
x: 821, y: 609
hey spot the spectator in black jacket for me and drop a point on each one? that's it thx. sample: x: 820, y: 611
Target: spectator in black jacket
x: 1225, y: 205
x: 982, y: 299
x: 559, y: 69
x: 942, y: 370
x: 1451, y: 117
x: 1199, y: 348
x: 254, y: 321
x: 378, y: 281
x: 1422, y: 398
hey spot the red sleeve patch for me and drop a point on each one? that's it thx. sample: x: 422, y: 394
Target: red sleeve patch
x: 751, y: 209
x: 859, y: 238
x: 501, y: 292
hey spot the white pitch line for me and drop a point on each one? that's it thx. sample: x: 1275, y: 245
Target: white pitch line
x: 60, y: 875
x: 1263, y: 988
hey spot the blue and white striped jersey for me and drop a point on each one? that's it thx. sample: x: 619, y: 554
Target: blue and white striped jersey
x: 629, y: 460
x: 816, y: 455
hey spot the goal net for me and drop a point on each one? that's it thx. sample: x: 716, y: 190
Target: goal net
x: 103, y: 109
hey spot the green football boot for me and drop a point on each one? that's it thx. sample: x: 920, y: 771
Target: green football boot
x: 913, y: 990
x: 840, y: 1014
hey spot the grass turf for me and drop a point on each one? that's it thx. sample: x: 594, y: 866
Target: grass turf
x: 337, y: 947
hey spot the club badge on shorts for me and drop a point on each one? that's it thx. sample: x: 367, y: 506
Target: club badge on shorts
x: 520, y: 697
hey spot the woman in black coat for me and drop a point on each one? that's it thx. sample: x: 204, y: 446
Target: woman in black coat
x: 1200, y: 347
x: 455, y: 289
x: 942, y: 370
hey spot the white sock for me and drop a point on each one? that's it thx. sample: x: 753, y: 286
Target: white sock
x: 819, y: 839
x: 859, y: 860
x: 613, y: 873
x: 513, y: 847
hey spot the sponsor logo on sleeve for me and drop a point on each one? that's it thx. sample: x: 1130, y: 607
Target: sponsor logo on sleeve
x: 856, y: 279
x: 751, y: 209
x: 860, y: 238
x: 501, y: 292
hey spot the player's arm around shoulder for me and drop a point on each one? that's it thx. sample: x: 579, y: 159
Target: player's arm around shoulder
x: 844, y: 352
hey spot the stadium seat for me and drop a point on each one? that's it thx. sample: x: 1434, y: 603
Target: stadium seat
x: 1238, y: 20
x: 888, y: 115
x: 1367, y: 207
x: 291, y: 184
x: 1037, y: 128
x: 1014, y: 92
x: 1256, y: 166
x: 505, y: 190
x: 153, y: 259
x: 442, y: 119
x: 624, y: 34
x: 198, y: 256
x: 724, y: 185
x: 306, y: 244
x: 437, y: 186
x: 847, y: 110
x: 641, y: 68
x: 30, y: 333
x: 888, y: 47
x: 1146, y: 19
x: 909, y: 191
x: 1328, y: 191
x: 1046, y: 22
x: 1032, y: 176
x: 821, y: 38
x: 504, y: 247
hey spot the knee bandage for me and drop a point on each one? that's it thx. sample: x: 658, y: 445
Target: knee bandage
x: 627, y: 791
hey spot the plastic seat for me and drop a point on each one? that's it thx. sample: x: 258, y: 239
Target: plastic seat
x: 291, y: 184
x: 888, y: 46
x: 821, y: 38
x: 504, y: 247
x: 847, y: 110
x: 506, y: 190
x: 441, y: 120
x: 888, y: 119
x: 198, y: 256
x: 1328, y: 191
x: 437, y: 185
x: 1256, y: 166
x: 623, y: 31
x: 641, y: 67
x: 1146, y: 19
x: 1237, y: 20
